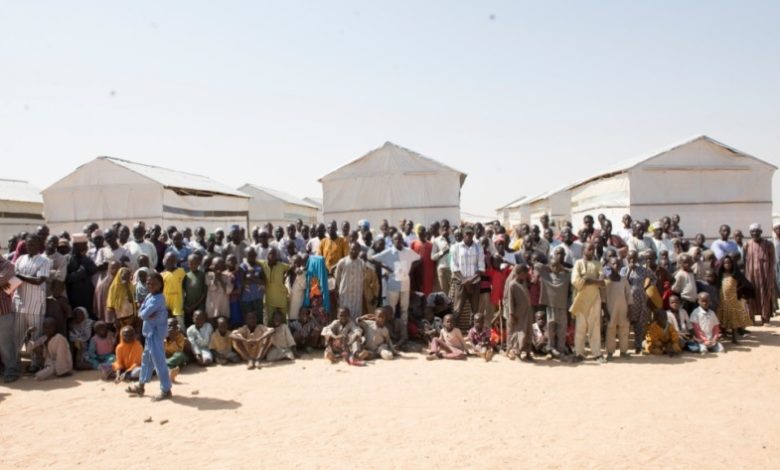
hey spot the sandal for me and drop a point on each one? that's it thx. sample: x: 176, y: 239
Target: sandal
x: 163, y: 396
x: 137, y: 390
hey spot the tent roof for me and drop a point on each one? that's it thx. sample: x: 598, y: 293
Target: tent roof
x: 288, y: 198
x: 423, y: 162
x: 317, y: 201
x: 21, y: 191
x: 187, y: 183
x: 514, y: 203
x: 631, y: 163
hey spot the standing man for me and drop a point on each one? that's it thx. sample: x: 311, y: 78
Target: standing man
x: 440, y: 254
x: 724, y: 246
x: 137, y: 247
x: 30, y: 298
x: 468, y: 265
x: 760, y: 271
x: 350, y: 272
x: 333, y: 248
x: 587, y: 281
x: 399, y: 261
x: 237, y: 246
x: 571, y: 247
x: 59, y: 264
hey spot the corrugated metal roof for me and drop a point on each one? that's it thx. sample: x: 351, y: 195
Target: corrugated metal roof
x: 22, y: 191
x: 288, y: 198
x: 426, y: 160
x: 176, y: 179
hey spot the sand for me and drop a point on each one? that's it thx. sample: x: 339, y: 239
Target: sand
x: 717, y: 411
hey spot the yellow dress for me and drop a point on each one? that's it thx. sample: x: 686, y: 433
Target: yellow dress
x: 731, y: 311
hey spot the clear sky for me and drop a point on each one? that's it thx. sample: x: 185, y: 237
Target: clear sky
x: 522, y: 96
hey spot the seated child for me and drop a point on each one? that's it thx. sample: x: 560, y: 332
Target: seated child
x: 222, y: 345
x: 343, y: 339
x: 52, y: 348
x: 127, y: 365
x: 678, y: 318
x: 282, y: 341
x: 101, y: 349
x: 79, y: 334
x: 478, y: 339
x: 377, y: 336
x: 252, y: 341
x: 706, y: 327
x: 662, y: 337
x: 175, y: 345
x: 539, y: 334
x: 199, y: 336
x: 449, y: 344
x: 306, y: 330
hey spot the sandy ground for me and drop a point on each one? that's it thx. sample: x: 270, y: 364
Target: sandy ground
x: 713, y: 411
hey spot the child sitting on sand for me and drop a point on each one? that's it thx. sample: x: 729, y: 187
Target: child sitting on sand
x: 378, y: 343
x: 221, y: 344
x: 343, y: 339
x: 127, y: 365
x: 199, y: 335
x: 282, y: 341
x: 79, y: 334
x: 661, y: 337
x: 101, y: 349
x: 679, y: 319
x: 478, y: 339
x: 706, y: 327
x: 449, y: 344
x: 306, y: 330
x: 175, y: 345
x: 252, y: 341
x: 539, y: 334
x: 51, y: 349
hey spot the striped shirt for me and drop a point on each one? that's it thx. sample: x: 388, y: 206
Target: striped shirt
x: 30, y: 298
x: 467, y: 260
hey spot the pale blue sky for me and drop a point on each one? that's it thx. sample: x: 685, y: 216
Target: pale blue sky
x: 522, y: 96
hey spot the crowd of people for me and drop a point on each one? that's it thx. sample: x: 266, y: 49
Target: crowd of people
x: 135, y: 302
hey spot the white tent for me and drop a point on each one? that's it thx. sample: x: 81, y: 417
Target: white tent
x: 392, y: 183
x: 277, y: 207
x: 706, y: 182
x: 108, y: 189
x: 317, y: 201
x: 21, y: 208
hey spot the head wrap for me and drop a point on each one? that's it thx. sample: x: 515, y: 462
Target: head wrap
x: 755, y: 226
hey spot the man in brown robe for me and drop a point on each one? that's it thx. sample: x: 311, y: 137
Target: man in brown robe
x: 760, y: 271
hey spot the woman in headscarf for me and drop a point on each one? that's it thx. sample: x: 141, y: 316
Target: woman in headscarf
x: 121, y: 300
x: 733, y: 287
x: 317, y: 285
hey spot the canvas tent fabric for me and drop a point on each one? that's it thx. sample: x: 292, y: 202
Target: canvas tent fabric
x: 108, y: 189
x: 706, y: 182
x: 21, y: 208
x: 277, y: 207
x: 393, y: 183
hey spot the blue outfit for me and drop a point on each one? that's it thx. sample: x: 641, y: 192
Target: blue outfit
x: 154, y: 314
x: 315, y: 267
x: 181, y: 256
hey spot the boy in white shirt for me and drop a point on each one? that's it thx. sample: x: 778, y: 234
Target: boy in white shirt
x: 706, y: 327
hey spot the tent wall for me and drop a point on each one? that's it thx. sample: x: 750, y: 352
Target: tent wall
x: 419, y: 216
x: 102, y: 192
x: 707, y: 185
x: 18, y: 216
x: 210, y: 212
x: 399, y: 195
x: 264, y: 207
x: 609, y: 196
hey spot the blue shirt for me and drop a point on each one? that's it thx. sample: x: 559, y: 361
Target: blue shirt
x: 154, y: 313
x: 400, y: 262
x: 252, y: 291
x: 181, y: 255
x: 721, y: 248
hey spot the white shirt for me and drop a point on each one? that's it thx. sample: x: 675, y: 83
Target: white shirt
x: 440, y: 244
x: 684, y: 319
x: 29, y: 298
x: 707, y: 321
x: 573, y: 252
x: 467, y: 260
